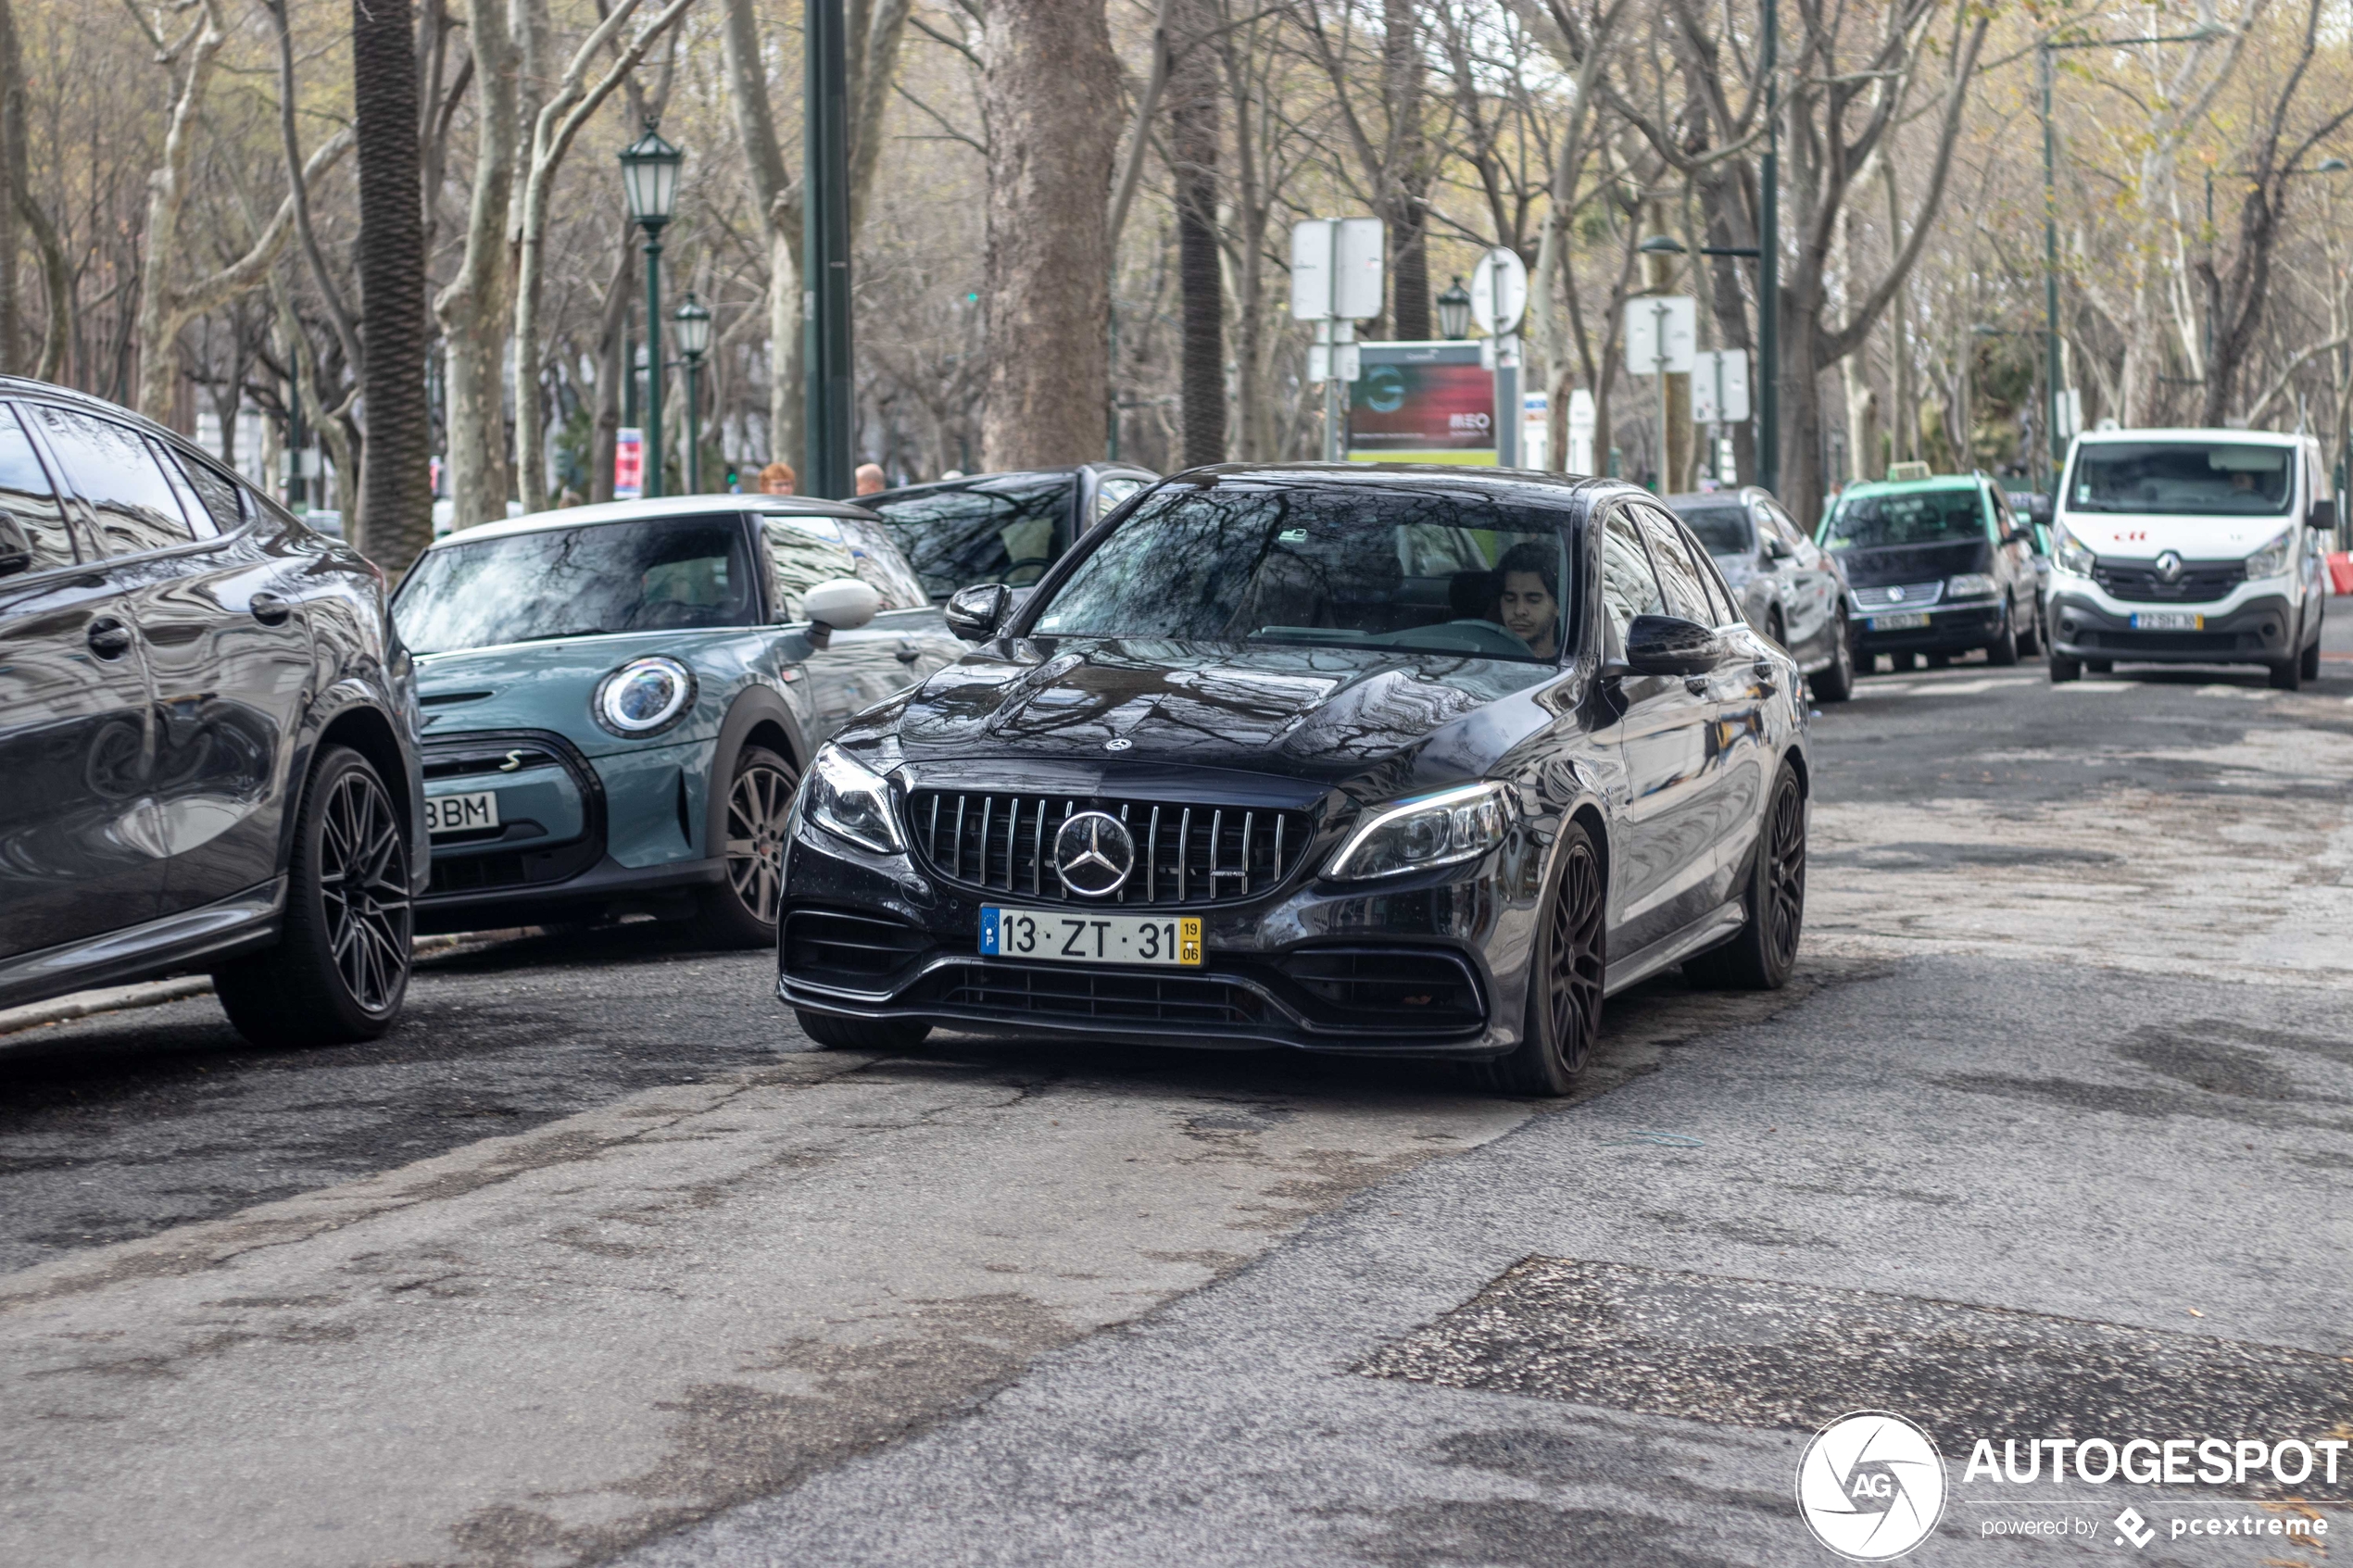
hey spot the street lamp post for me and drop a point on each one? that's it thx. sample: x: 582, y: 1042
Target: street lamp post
x: 649, y: 182
x: 693, y: 318
x: 1454, y: 311
x: 824, y: 249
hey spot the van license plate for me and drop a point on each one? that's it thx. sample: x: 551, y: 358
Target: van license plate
x: 1906, y: 621
x: 1083, y: 936
x: 461, y: 813
x: 2168, y: 621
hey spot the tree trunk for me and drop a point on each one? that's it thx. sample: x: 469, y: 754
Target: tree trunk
x: 613, y: 368
x: 396, y: 500
x: 474, y: 310
x: 1403, y: 69
x: 1050, y: 92
x: 1193, y: 134
x: 12, y: 127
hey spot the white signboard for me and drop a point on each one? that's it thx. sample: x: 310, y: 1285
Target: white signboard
x: 1336, y: 268
x: 1319, y: 360
x: 1719, y: 387
x: 1582, y: 419
x: 1661, y: 326
x: 1535, y: 431
x: 1499, y: 290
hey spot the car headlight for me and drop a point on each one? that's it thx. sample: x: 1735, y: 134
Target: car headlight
x: 2272, y: 559
x: 2070, y: 552
x: 853, y: 802
x: 644, y: 696
x: 1429, y: 830
x: 1971, y: 585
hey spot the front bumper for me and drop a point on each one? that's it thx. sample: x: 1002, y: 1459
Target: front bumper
x: 1950, y: 629
x: 2259, y: 628
x: 1427, y: 966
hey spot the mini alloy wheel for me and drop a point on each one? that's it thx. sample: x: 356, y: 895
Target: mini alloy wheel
x: 742, y: 912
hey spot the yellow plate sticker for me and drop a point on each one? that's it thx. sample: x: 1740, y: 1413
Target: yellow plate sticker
x: 1188, y: 940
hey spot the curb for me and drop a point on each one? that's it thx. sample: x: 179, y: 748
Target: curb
x: 145, y: 994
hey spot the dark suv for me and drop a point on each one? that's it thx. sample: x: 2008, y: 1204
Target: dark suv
x: 1001, y: 527
x: 207, y: 734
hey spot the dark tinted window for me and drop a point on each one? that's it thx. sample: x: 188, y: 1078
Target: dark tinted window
x: 111, y: 467
x: 805, y: 551
x: 578, y: 582
x: 2214, y: 477
x: 1628, y: 586
x: 24, y: 490
x: 1724, y: 530
x: 1357, y: 564
x: 1907, y: 517
x: 1678, y: 578
x: 1001, y: 533
x: 216, y: 493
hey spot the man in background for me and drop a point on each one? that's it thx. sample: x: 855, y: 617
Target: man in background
x: 870, y: 478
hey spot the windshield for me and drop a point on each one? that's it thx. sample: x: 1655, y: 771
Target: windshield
x: 1911, y: 516
x: 578, y: 582
x: 1352, y: 566
x: 958, y: 538
x: 1722, y: 530
x: 2225, y: 478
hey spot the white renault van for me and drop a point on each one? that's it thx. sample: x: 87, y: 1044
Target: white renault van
x: 2190, y: 546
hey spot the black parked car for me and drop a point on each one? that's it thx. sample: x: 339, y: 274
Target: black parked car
x: 207, y: 734
x: 1936, y: 567
x: 1001, y: 527
x: 1788, y: 587
x: 1409, y: 761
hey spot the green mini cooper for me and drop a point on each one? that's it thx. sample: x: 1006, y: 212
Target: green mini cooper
x: 619, y: 700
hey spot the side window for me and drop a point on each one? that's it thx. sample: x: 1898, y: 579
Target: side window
x: 111, y: 467
x: 1628, y: 587
x: 803, y: 558
x: 1782, y: 523
x: 193, y: 508
x: 26, y: 493
x: 1110, y: 493
x: 1678, y: 579
x: 216, y: 493
x: 1718, y: 594
x: 881, y: 566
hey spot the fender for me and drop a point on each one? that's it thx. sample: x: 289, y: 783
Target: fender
x: 755, y: 705
x: 347, y: 695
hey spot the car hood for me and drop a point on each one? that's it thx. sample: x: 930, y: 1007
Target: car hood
x: 1380, y: 721
x: 1881, y: 564
x: 2139, y: 536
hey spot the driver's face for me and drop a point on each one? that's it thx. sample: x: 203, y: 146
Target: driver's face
x: 1529, y: 611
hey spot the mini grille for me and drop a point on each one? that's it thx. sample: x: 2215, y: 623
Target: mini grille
x: 1902, y: 595
x: 1184, y: 854
x: 2200, y: 581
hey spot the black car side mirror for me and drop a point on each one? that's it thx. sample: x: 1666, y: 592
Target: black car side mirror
x: 15, y: 545
x: 1667, y: 644
x: 975, y: 613
x: 1775, y: 549
x: 2323, y: 516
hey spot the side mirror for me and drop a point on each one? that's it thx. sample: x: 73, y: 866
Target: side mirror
x: 1775, y: 549
x: 2019, y: 537
x: 975, y: 613
x: 842, y: 604
x: 15, y: 545
x: 1667, y: 644
x: 2323, y: 516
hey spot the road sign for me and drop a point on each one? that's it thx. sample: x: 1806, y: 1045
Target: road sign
x: 1719, y: 387
x: 1581, y: 420
x: 1664, y: 325
x: 1499, y: 290
x: 1336, y: 268
x: 1319, y: 360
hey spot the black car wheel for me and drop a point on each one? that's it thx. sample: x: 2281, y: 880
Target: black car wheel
x: 341, y: 965
x: 2064, y: 669
x: 1564, y: 1015
x: 741, y: 911
x: 1762, y: 956
x: 2311, y: 666
x: 2287, y: 675
x: 1836, y: 683
x: 2002, y: 652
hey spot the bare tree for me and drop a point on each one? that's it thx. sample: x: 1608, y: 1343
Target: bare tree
x: 474, y: 310
x: 396, y: 502
x: 1194, y: 93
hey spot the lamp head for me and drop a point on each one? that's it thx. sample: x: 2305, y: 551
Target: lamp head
x: 650, y: 178
x: 693, y: 319
x: 1454, y: 311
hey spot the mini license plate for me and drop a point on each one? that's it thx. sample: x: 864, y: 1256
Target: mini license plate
x: 2168, y: 621
x: 1067, y: 936
x: 461, y: 813
x: 1904, y: 622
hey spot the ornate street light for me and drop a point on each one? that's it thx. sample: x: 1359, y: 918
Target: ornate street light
x: 1454, y: 311
x: 694, y: 342
x: 649, y: 182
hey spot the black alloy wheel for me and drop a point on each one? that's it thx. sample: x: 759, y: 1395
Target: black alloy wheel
x: 341, y: 966
x: 1566, y: 973
x: 2002, y: 652
x: 741, y: 912
x: 1762, y: 956
x: 2310, y: 667
x: 1836, y: 683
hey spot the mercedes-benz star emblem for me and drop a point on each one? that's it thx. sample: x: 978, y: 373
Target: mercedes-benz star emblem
x: 1094, y: 854
x: 2168, y: 567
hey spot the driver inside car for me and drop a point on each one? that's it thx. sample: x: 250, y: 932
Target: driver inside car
x: 1528, y: 603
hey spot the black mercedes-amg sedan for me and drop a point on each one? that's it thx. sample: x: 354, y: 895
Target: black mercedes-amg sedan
x: 1374, y: 759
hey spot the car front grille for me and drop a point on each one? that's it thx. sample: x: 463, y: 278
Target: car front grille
x: 2129, y: 642
x: 1387, y: 988
x: 2201, y: 580
x: 1178, y: 1001
x: 1184, y: 854
x: 1900, y: 596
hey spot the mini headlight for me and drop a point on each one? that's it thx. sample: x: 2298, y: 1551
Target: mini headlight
x: 2069, y: 553
x: 853, y: 802
x: 1429, y: 830
x: 2272, y: 559
x: 1970, y: 586
x: 644, y: 696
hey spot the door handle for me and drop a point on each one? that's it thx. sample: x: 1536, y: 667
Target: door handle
x: 1765, y: 673
x: 1695, y: 685
x: 270, y: 609
x: 109, y: 638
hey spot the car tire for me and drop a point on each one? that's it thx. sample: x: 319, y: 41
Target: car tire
x: 1938, y: 661
x: 740, y: 912
x: 2002, y: 652
x: 2064, y: 669
x: 1762, y: 956
x: 1836, y: 683
x: 2311, y: 666
x: 1565, y: 969
x: 833, y: 1033
x: 2287, y: 675
x: 340, y: 969
x: 2029, y: 636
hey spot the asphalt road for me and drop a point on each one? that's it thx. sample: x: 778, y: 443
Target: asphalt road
x: 595, y: 1259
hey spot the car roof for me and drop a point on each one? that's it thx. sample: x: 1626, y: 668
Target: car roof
x: 971, y: 481
x: 662, y: 506
x: 1739, y: 494
x: 1914, y: 487
x: 2260, y: 437
x: 1554, y: 486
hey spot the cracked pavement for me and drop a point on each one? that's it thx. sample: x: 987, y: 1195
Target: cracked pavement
x: 596, y: 1259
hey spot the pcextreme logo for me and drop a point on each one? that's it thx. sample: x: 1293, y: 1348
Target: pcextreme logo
x: 1870, y: 1486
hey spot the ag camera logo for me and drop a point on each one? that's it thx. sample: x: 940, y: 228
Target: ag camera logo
x: 1870, y: 1486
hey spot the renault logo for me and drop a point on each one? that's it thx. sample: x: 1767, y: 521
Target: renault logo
x: 1895, y: 596
x: 2168, y: 567
x: 1094, y: 854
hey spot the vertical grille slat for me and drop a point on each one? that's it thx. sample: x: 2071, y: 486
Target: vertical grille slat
x: 1038, y: 852
x: 956, y: 855
x: 961, y: 836
x: 1185, y: 853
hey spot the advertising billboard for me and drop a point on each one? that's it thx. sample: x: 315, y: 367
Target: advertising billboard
x: 1422, y: 403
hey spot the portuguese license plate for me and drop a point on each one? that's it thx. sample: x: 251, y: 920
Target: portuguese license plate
x: 461, y: 813
x: 2168, y: 621
x: 1903, y: 622
x: 1083, y: 936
